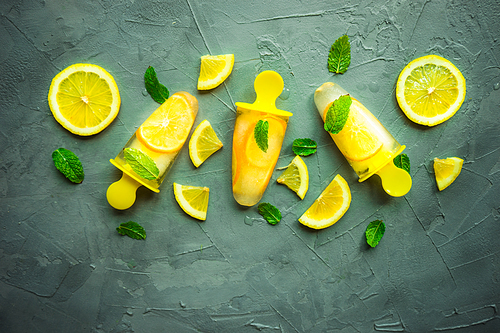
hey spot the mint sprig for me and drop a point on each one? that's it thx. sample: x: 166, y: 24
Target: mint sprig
x: 157, y: 90
x: 261, y: 135
x: 269, y: 212
x: 132, y: 229
x: 141, y: 163
x: 374, y: 232
x: 304, y: 147
x: 337, y: 114
x: 339, y: 57
x: 402, y: 161
x: 68, y: 164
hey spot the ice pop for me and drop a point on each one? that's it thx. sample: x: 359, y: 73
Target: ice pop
x: 149, y: 154
x: 365, y: 142
x: 253, y: 166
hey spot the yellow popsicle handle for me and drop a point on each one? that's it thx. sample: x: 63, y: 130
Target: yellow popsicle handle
x: 268, y: 86
x: 121, y: 194
x: 395, y: 181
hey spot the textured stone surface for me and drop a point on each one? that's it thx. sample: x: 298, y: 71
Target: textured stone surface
x: 63, y: 266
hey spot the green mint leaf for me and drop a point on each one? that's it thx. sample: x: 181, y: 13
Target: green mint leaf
x: 402, y: 161
x: 337, y: 114
x: 339, y: 57
x: 132, y: 229
x: 374, y: 232
x: 69, y: 164
x: 269, y: 212
x: 141, y: 163
x: 260, y: 134
x: 157, y: 90
x: 304, y: 147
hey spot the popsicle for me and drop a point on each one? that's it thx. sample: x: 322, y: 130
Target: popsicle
x: 149, y: 154
x: 365, y: 142
x: 252, y: 166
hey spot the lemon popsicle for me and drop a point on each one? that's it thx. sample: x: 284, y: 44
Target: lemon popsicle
x: 149, y: 154
x: 365, y: 142
x: 258, y: 135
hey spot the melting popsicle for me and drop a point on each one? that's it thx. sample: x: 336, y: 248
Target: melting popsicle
x: 365, y: 142
x: 149, y: 154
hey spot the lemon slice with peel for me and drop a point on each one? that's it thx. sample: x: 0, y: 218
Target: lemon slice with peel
x: 296, y: 177
x: 214, y: 70
x: 356, y: 140
x: 203, y: 143
x: 330, y: 206
x: 430, y: 90
x: 447, y: 170
x: 167, y: 128
x: 84, y: 99
x: 192, y: 199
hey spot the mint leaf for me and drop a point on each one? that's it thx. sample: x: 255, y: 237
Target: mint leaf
x: 157, y: 90
x: 339, y: 57
x: 374, y: 232
x: 141, y: 163
x: 132, y: 229
x: 260, y: 134
x: 337, y: 114
x: 69, y: 165
x: 269, y: 212
x: 304, y: 147
x: 402, y: 161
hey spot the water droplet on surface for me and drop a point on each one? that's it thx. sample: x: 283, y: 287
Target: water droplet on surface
x: 144, y: 92
x: 496, y: 86
x: 285, y: 94
x: 248, y: 220
x: 374, y: 87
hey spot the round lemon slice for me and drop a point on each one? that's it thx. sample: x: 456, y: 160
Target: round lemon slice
x: 192, y: 199
x: 447, y: 170
x: 214, y: 70
x: 356, y: 140
x: 166, y: 129
x: 203, y: 143
x: 330, y: 206
x: 430, y: 90
x: 296, y: 177
x: 84, y: 99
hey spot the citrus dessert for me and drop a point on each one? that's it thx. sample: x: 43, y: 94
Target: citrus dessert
x: 84, y: 99
x: 430, y: 90
x: 259, y: 131
x: 447, y: 170
x: 296, y: 177
x: 214, y: 70
x: 203, y: 143
x: 192, y: 199
x: 330, y: 206
x: 149, y: 154
x: 365, y: 143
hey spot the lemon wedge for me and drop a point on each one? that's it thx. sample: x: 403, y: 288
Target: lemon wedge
x: 192, y: 199
x: 84, y: 99
x: 214, y: 70
x: 430, y: 90
x: 203, y: 143
x: 166, y: 129
x: 296, y: 177
x: 330, y: 206
x: 447, y: 170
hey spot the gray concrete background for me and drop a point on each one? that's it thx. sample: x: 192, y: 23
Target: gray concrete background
x: 63, y: 266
